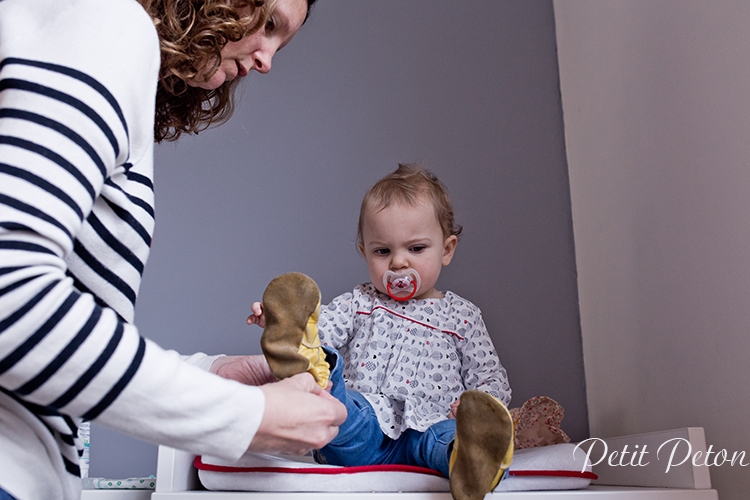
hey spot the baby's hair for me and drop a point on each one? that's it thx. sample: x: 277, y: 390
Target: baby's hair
x: 406, y: 185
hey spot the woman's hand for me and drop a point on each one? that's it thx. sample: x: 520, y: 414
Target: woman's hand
x: 250, y: 370
x: 299, y: 417
x: 257, y: 317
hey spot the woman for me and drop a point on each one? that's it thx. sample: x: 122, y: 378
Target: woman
x: 78, y: 119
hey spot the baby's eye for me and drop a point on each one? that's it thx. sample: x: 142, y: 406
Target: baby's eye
x: 382, y: 251
x: 418, y: 248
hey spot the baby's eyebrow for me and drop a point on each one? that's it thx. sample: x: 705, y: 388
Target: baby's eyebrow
x: 420, y: 241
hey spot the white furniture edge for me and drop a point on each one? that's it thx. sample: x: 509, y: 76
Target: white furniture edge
x: 175, y: 471
x: 590, y: 493
x: 116, y: 494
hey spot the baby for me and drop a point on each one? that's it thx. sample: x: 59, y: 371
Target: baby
x: 414, y: 366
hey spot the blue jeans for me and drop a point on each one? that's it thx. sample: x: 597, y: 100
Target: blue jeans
x: 361, y: 442
x: 4, y: 495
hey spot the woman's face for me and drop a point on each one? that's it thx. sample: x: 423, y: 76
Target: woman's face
x: 255, y: 52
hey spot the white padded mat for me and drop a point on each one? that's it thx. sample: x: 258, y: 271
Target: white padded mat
x: 556, y: 467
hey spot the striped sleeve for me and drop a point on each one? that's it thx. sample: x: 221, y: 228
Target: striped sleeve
x: 76, y: 219
x: 63, y: 142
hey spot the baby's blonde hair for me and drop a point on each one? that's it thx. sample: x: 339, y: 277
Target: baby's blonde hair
x: 407, y: 184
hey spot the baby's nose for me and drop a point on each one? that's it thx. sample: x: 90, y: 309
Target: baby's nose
x: 399, y: 262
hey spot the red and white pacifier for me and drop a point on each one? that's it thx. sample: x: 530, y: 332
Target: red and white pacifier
x: 402, y: 285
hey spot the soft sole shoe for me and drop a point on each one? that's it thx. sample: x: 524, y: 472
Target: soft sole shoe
x: 483, y: 446
x: 290, y: 342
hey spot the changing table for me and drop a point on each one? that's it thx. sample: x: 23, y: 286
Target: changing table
x: 621, y: 476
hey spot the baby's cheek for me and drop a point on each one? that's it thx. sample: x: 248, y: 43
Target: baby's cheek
x: 377, y: 279
x: 379, y: 286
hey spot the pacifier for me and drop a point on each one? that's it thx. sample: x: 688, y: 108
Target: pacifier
x: 402, y: 285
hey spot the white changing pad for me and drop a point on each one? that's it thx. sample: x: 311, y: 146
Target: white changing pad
x: 556, y: 467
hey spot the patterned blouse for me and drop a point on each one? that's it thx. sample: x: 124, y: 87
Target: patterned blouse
x: 412, y: 359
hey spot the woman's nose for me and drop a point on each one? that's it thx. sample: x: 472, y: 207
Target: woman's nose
x: 262, y: 60
x: 262, y: 65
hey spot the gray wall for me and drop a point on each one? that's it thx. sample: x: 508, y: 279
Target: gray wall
x: 471, y: 89
x: 657, y: 121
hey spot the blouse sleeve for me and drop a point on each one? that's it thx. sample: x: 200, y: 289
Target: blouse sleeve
x: 480, y: 364
x: 335, y: 325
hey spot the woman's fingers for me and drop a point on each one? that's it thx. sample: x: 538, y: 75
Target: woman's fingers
x: 299, y: 417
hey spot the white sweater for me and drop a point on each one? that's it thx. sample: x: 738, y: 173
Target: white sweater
x: 77, y: 90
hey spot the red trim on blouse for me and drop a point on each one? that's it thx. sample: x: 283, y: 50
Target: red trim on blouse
x: 427, y: 325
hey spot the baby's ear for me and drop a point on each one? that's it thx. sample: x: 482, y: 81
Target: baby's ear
x: 361, y: 247
x: 449, y: 248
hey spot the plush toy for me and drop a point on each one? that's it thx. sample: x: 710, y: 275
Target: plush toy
x: 290, y: 342
x: 537, y: 423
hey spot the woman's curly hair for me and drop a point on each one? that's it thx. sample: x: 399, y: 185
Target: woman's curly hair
x: 192, y: 34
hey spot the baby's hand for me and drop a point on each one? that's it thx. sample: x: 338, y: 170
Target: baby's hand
x: 257, y: 317
x: 454, y: 408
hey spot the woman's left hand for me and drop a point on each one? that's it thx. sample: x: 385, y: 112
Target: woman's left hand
x: 249, y: 370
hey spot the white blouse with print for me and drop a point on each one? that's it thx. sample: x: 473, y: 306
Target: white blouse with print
x: 412, y: 359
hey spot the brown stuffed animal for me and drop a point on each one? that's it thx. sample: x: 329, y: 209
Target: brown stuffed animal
x: 537, y: 423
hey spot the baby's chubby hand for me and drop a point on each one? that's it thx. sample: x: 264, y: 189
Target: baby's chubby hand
x: 454, y: 408
x: 257, y: 317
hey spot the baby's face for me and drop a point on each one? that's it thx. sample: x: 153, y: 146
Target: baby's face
x: 400, y: 237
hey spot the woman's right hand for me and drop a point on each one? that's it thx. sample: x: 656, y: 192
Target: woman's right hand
x: 299, y: 417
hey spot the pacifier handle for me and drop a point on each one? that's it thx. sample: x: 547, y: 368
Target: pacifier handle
x: 413, y: 292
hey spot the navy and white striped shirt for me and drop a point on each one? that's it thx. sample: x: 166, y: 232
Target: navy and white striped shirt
x: 77, y: 86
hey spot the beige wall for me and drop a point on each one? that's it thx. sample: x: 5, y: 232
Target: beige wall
x: 656, y: 104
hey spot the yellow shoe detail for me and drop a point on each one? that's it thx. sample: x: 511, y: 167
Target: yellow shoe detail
x: 311, y: 349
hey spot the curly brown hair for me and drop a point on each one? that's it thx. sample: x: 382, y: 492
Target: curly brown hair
x: 192, y: 34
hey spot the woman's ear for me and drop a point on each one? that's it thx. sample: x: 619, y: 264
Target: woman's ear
x: 449, y: 247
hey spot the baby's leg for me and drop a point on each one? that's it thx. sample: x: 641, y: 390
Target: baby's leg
x: 360, y: 440
x: 430, y: 449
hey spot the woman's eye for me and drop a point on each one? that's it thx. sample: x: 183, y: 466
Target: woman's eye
x: 270, y: 24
